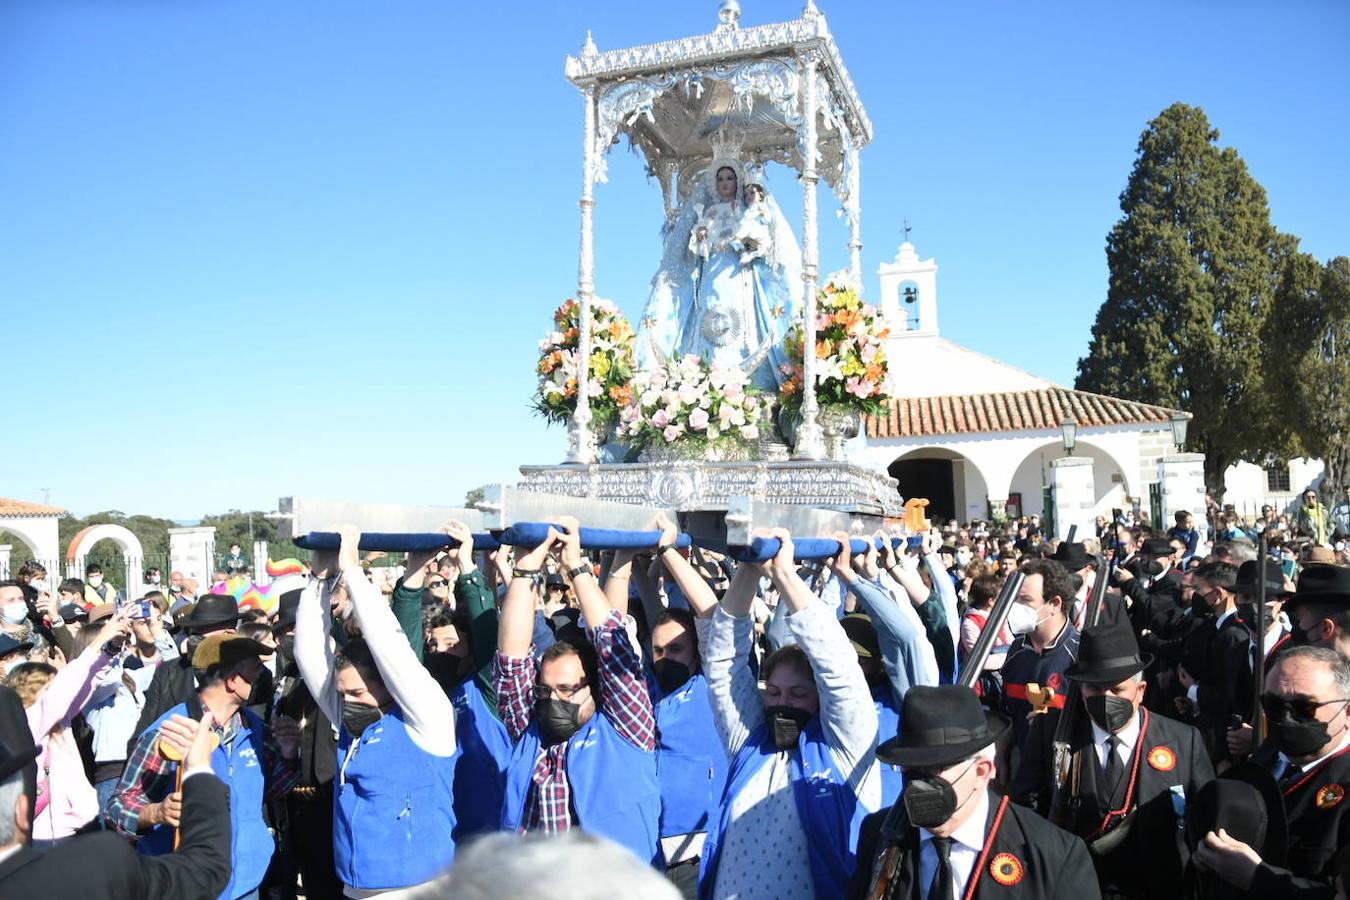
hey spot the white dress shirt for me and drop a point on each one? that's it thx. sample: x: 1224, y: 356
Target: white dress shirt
x: 1128, y: 737
x: 967, y: 842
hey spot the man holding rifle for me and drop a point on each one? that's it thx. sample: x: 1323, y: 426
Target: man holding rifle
x: 1130, y: 771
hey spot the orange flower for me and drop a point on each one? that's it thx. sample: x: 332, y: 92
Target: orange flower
x: 621, y: 394
x: 883, y: 334
x: 822, y: 349
x: 789, y: 388
x: 846, y: 317
x: 874, y: 373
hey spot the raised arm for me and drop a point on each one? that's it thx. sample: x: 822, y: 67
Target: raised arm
x: 725, y: 648
x: 73, y: 685
x: 901, y: 638
x: 514, y: 671
x: 313, y: 621
x: 946, y: 591
x: 427, y: 710
x: 702, y: 601
x: 847, y: 713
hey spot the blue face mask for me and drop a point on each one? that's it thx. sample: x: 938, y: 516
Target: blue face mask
x: 15, y: 612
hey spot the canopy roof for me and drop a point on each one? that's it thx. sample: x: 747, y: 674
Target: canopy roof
x: 672, y: 98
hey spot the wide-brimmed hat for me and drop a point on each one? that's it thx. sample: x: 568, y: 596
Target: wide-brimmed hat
x: 1244, y: 801
x: 11, y: 762
x: 1107, y: 654
x: 1156, y: 546
x: 287, y: 604
x: 226, y: 650
x: 1321, y: 583
x: 1072, y: 555
x: 1249, y: 582
x: 940, y: 726
x: 212, y: 610
x: 1319, y: 554
x: 863, y: 635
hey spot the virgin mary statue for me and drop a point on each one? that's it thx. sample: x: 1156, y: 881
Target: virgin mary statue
x: 729, y: 284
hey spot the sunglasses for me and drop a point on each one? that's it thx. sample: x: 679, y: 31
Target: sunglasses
x: 1275, y: 707
x: 436, y: 584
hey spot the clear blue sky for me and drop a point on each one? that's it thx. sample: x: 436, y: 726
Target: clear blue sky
x: 250, y: 249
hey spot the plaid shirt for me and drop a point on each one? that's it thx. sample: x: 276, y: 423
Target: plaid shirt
x: 149, y: 778
x: 622, y: 698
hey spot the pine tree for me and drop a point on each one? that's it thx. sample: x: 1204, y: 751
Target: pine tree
x: 1194, y: 263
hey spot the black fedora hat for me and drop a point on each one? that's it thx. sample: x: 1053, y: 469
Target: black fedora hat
x: 287, y: 604
x: 11, y: 762
x: 1249, y: 581
x: 940, y: 726
x: 1156, y: 546
x: 1072, y: 556
x: 212, y: 611
x: 1107, y: 654
x: 1322, y: 583
x: 1244, y: 801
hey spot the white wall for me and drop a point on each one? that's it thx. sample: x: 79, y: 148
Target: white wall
x: 1245, y: 485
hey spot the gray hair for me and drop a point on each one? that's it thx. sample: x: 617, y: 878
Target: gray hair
x: 11, y: 789
x: 568, y: 866
x: 1339, y: 666
x: 1241, y: 551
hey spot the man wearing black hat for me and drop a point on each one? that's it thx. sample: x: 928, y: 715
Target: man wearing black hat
x: 173, y: 682
x: 1320, y: 608
x: 102, y: 865
x: 1216, y: 658
x: 1073, y: 556
x: 1130, y: 771
x: 1278, y: 638
x: 1307, y: 706
x: 951, y: 835
x: 1153, y: 587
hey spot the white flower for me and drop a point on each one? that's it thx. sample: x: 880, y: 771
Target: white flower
x: 749, y: 432
x: 672, y: 432
x: 698, y: 419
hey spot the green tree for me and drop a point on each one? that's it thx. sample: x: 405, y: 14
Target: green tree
x: 243, y: 528
x: 1309, y: 362
x: 1194, y: 263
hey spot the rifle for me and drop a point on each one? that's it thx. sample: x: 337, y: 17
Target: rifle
x: 998, y: 614
x: 1062, y: 756
x: 1259, y: 681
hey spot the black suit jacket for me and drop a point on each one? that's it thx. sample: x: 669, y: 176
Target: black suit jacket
x: 1148, y: 858
x: 104, y: 866
x: 1318, y: 811
x: 1045, y: 861
x: 1219, y: 658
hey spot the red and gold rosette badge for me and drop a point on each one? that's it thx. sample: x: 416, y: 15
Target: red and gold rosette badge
x: 1162, y: 759
x: 1328, y: 796
x: 1006, y: 869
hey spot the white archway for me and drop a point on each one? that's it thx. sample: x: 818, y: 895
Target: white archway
x: 969, y: 491
x: 1111, y: 479
x: 34, y: 525
x: 126, y: 541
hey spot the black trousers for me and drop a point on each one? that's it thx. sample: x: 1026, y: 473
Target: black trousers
x: 311, y: 836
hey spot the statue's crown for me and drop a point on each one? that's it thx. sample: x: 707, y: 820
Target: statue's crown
x: 726, y: 144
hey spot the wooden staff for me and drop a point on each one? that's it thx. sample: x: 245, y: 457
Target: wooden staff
x: 170, y: 753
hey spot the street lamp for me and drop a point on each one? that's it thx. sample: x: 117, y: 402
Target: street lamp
x: 1179, y: 423
x: 1068, y: 434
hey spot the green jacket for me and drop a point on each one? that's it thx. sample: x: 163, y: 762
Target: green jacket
x: 473, y: 596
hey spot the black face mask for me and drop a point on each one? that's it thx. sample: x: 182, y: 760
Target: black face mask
x: 1200, y: 605
x: 192, y: 643
x: 787, y: 723
x: 286, y: 646
x: 1299, y: 737
x: 930, y: 800
x: 357, y: 717
x: 670, y: 674
x: 558, y: 720
x: 1109, y: 712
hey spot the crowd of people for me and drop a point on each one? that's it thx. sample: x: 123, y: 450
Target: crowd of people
x: 548, y: 721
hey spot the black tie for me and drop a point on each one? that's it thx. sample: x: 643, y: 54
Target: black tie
x: 941, y: 888
x: 1115, y: 768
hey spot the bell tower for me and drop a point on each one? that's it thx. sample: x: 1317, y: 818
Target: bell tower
x: 909, y: 293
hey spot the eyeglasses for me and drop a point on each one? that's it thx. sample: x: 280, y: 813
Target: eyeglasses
x: 436, y: 584
x: 1275, y: 706
x: 562, y: 691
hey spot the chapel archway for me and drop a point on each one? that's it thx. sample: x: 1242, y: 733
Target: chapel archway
x: 953, y: 484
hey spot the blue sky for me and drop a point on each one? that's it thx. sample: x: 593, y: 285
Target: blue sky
x: 251, y: 249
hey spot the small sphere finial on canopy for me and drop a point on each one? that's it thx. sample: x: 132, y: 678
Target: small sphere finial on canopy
x: 729, y: 13
x: 589, y: 48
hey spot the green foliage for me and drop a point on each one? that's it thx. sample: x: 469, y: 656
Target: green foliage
x: 243, y: 528
x: 1194, y: 264
x: 1309, y: 361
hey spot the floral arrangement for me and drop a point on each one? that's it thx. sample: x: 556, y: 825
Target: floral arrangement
x: 704, y: 408
x: 609, y: 387
x: 851, y: 366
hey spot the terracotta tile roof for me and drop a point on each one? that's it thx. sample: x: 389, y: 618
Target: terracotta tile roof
x: 1034, y: 410
x: 10, y: 507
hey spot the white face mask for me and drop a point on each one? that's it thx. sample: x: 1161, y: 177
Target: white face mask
x: 11, y: 665
x: 963, y: 557
x: 1022, y: 619
x: 15, y: 612
x: 95, y: 580
x: 39, y: 585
